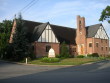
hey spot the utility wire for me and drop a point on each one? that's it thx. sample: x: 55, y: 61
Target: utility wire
x: 24, y: 9
x: 26, y: 6
x: 30, y: 6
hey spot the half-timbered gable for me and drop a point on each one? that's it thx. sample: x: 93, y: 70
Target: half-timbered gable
x: 48, y: 35
x: 96, y: 31
x: 101, y: 33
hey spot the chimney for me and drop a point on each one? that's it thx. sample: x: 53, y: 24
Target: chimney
x: 12, y: 31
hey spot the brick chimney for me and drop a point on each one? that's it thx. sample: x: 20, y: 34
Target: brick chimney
x: 12, y: 31
x: 81, y: 35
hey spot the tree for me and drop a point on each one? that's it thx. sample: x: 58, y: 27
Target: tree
x: 5, y: 30
x: 105, y: 15
x: 20, y: 42
x: 64, y: 50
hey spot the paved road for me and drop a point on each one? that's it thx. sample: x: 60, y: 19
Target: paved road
x: 91, y: 73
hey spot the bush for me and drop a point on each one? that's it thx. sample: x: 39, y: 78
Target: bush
x: 93, y: 55
x: 64, y: 50
x: 89, y: 55
x: 58, y: 56
x: 32, y: 56
x: 80, y: 56
x: 50, y: 60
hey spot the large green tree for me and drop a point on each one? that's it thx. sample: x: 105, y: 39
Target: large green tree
x: 20, y: 42
x: 5, y: 30
x: 105, y: 15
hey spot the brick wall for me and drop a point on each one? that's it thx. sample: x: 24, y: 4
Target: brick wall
x: 40, y: 48
x: 102, y: 48
x: 81, y: 35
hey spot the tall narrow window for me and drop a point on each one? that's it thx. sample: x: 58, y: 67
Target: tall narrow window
x: 106, y: 48
x: 90, y: 44
x: 48, y: 48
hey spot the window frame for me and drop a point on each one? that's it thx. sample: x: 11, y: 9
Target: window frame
x: 48, y: 47
x: 90, y: 44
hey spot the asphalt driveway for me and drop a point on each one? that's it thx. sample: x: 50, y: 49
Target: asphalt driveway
x: 89, y: 73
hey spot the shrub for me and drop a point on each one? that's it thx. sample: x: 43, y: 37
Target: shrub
x: 93, y: 55
x: 80, y: 56
x: 58, y: 56
x: 64, y: 50
x: 89, y: 55
x: 71, y: 56
x: 32, y: 56
x: 50, y: 60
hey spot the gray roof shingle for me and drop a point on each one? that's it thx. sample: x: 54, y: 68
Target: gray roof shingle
x: 92, y: 30
x: 38, y: 31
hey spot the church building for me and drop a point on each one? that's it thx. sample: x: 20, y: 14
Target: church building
x: 82, y: 40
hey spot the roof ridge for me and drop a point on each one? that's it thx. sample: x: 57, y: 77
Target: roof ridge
x: 62, y: 26
x: 94, y: 24
x: 50, y: 24
x: 32, y: 21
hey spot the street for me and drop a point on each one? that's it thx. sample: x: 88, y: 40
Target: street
x: 90, y: 73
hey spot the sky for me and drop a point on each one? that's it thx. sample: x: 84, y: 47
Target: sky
x: 58, y: 12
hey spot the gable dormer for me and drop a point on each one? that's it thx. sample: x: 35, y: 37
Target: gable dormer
x: 45, y: 34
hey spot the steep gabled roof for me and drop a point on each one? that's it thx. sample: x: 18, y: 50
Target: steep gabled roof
x: 92, y: 30
x: 31, y: 25
x: 38, y: 30
x: 64, y: 34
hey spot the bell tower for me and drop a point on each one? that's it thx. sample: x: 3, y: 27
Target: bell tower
x: 81, y: 36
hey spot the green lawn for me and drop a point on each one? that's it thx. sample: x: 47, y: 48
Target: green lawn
x: 68, y: 61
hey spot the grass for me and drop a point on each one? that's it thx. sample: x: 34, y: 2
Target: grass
x: 68, y: 61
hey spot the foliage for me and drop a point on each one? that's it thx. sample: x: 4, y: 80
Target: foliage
x: 105, y: 15
x: 80, y: 56
x: 50, y: 60
x: 5, y: 30
x: 20, y: 42
x: 32, y: 56
x: 93, y: 55
x: 64, y: 50
x: 58, y: 55
x: 67, y: 61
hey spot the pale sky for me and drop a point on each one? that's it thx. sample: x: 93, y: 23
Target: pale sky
x: 59, y: 12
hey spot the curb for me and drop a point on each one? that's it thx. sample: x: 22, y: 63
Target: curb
x: 53, y: 65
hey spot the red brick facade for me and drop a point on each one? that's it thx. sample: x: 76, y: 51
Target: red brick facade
x: 84, y: 45
x: 89, y: 45
x: 40, y: 48
x: 100, y: 46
